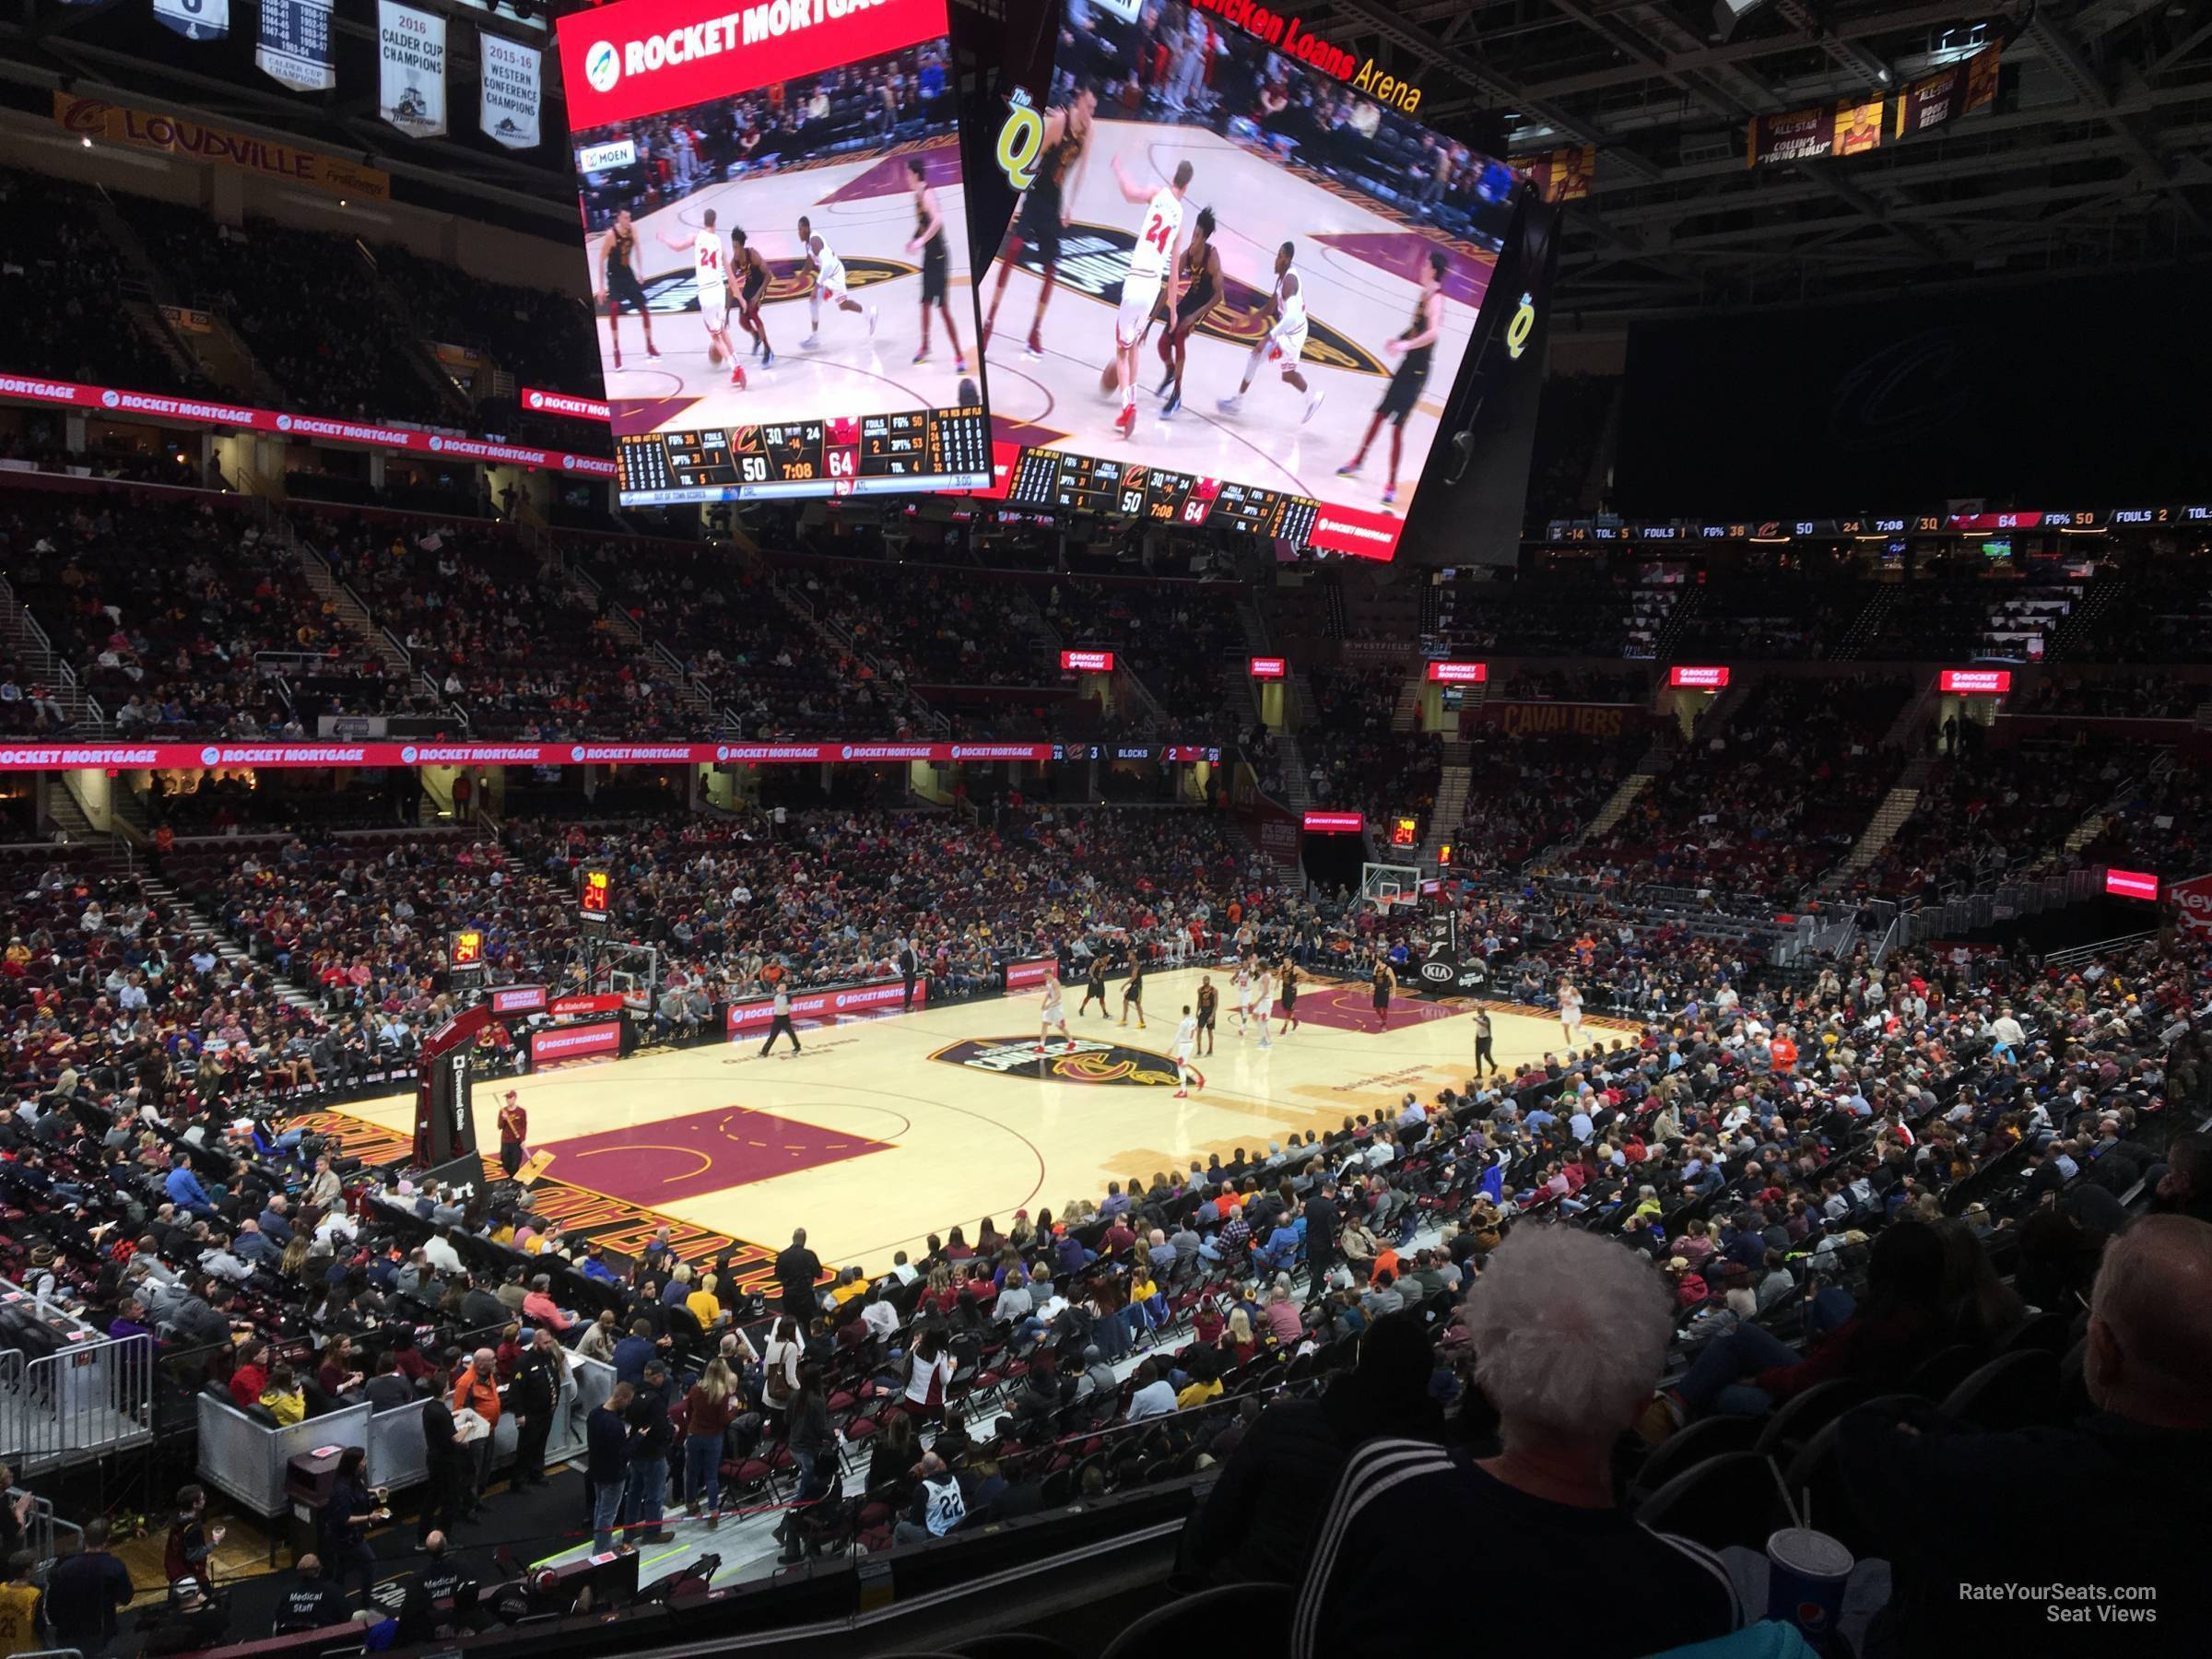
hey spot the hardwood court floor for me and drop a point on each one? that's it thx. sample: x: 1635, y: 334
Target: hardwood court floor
x: 888, y: 1128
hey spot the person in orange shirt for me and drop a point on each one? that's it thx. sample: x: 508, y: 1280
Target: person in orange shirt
x: 1783, y: 1051
x: 476, y: 1388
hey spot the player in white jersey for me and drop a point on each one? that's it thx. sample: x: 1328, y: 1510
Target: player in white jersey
x: 1156, y: 262
x: 1263, y: 1006
x: 1571, y: 1012
x: 1186, y: 1039
x: 1285, y: 341
x: 1242, y: 980
x: 711, y: 276
x: 1053, y: 1013
x: 829, y: 273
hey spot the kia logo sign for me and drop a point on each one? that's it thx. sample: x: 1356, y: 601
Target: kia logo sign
x: 2137, y: 883
x: 1438, y: 973
x: 1697, y: 679
x: 1985, y: 682
x: 1459, y: 674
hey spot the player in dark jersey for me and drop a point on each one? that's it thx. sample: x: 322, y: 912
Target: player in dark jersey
x: 1063, y: 155
x: 1417, y: 345
x: 1287, y: 978
x: 618, y: 257
x: 748, y: 281
x: 1208, y: 1002
x: 1384, y: 983
x: 1201, y: 287
x: 929, y: 237
x: 1132, y: 989
x: 1094, y: 986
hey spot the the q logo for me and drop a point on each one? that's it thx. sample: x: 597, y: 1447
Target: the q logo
x: 603, y: 66
x: 1020, y: 140
x: 1522, y: 324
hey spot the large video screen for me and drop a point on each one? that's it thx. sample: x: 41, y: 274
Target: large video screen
x: 777, y: 237
x: 1236, y: 290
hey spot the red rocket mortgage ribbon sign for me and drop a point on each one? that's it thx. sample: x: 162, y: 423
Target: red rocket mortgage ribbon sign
x: 167, y: 757
x: 203, y: 411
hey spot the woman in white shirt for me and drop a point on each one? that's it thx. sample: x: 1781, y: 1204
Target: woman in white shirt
x: 780, y: 1369
x: 928, y: 1373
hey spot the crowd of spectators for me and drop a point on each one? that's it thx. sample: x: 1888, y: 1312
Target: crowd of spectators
x: 2157, y: 696
x: 279, y: 286
x: 185, y: 617
x: 1355, y: 760
x: 61, y: 288
x: 1763, y: 805
x: 1781, y: 1152
x: 514, y: 646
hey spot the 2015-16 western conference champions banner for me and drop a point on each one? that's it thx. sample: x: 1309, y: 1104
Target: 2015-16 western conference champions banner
x: 511, y: 79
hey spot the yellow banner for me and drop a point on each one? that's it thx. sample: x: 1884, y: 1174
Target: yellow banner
x: 178, y: 135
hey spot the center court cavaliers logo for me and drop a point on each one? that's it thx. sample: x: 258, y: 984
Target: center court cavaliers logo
x: 1094, y: 259
x: 1089, y: 1061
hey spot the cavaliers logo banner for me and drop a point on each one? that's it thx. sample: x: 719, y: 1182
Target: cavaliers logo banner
x: 1083, y: 1060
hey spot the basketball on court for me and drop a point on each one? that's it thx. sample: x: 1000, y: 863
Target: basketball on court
x: 714, y: 353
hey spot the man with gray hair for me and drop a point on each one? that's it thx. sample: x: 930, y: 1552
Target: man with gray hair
x: 1569, y: 1332
x: 2121, y: 1498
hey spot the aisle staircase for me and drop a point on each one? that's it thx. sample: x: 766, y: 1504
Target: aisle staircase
x: 1888, y: 817
x: 1451, y: 809
x: 1865, y: 625
x: 195, y: 924
x: 1616, y: 806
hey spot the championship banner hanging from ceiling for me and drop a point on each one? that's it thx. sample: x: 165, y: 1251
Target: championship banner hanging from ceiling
x: 194, y: 19
x: 509, y: 74
x: 410, y: 50
x: 294, y: 44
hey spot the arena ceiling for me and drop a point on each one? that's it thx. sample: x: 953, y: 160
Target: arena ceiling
x: 2097, y: 154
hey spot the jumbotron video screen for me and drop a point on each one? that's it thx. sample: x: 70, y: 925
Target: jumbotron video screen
x: 1236, y: 290
x: 776, y: 229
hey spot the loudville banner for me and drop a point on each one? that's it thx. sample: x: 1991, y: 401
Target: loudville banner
x: 410, y: 49
x: 180, y: 135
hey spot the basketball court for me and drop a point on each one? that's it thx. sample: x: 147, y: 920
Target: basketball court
x: 888, y: 1128
x: 862, y: 206
x: 1358, y: 268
